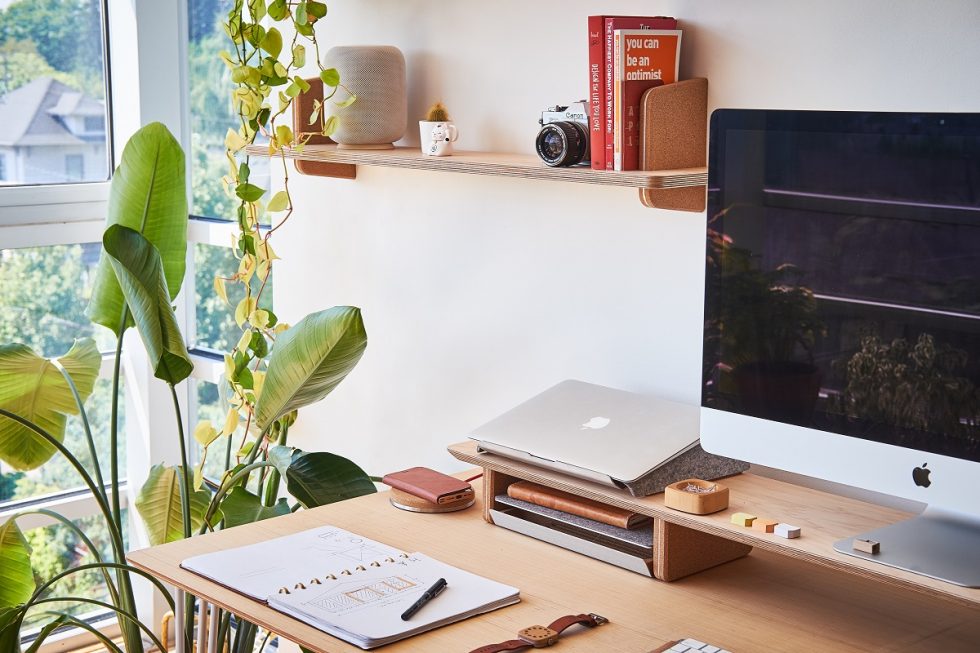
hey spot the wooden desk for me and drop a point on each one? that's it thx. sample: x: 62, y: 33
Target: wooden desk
x: 763, y: 602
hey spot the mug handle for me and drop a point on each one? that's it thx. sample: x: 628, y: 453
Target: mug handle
x: 452, y: 132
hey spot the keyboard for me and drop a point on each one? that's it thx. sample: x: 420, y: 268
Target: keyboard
x: 693, y: 646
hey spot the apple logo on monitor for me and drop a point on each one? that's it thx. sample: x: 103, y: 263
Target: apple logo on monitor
x: 596, y: 423
x: 920, y: 475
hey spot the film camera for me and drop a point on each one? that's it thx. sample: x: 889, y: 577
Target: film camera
x: 564, y: 136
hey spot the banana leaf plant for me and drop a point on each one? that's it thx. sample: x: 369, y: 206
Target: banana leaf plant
x: 139, y: 275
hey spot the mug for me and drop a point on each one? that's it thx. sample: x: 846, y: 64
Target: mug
x: 437, y: 137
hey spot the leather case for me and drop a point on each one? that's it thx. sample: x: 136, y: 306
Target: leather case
x: 575, y: 505
x: 428, y: 484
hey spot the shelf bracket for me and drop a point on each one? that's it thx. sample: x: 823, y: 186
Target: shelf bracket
x: 302, y: 110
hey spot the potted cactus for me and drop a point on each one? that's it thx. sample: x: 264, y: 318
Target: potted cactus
x: 437, y: 132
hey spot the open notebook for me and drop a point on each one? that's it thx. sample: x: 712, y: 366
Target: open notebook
x: 349, y: 586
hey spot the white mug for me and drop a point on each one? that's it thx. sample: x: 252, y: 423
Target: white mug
x: 437, y: 137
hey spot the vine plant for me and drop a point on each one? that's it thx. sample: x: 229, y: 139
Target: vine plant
x: 264, y: 90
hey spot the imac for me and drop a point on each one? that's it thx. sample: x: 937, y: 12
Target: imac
x: 842, y: 314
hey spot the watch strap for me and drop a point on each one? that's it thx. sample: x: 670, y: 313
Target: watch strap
x: 589, y: 620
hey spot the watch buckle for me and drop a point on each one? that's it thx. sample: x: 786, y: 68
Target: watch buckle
x: 538, y: 636
x: 599, y: 619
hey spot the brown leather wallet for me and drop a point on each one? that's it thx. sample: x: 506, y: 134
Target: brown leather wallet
x: 429, y: 484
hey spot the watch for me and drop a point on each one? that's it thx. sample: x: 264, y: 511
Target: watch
x: 542, y: 636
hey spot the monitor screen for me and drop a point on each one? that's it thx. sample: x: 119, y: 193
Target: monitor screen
x: 842, y: 289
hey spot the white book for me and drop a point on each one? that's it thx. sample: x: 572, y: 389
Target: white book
x: 352, y: 587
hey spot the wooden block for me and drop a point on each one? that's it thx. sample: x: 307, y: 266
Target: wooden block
x: 867, y: 546
x: 743, y: 519
x: 764, y: 525
x: 696, y: 496
x: 787, y: 531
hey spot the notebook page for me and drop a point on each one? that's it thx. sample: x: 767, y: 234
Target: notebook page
x: 259, y: 570
x: 365, y: 607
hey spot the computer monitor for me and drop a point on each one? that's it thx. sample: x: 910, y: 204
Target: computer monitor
x: 842, y: 313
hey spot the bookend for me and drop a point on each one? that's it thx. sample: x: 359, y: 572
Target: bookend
x: 674, y: 134
x: 678, y: 551
x: 302, y: 110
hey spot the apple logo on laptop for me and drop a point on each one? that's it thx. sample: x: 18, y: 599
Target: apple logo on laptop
x: 596, y: 423
x: 920, y: 475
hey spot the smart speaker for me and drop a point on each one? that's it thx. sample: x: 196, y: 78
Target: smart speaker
x: 376, y: 75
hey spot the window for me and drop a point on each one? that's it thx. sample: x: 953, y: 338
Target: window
x: 74, y: 167
x: 94, y: 124
x: 3, y: 168
x: 52, y: 72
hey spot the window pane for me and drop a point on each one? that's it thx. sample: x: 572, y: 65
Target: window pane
x: 43, y: 296
x: 216, y: 328
x: 210, y: 406
x: 56, y: 548
x: 52, y: 92
x: 211, y: 112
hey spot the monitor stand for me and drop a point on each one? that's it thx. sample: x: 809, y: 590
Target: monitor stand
x: 937, y: 543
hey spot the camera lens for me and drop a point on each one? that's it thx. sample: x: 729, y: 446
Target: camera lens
x: 562, y: 143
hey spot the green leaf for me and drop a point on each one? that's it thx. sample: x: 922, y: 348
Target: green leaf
x: 351, y: 99
x: 16, y: 575
x: 272, y: 43
x: 205, y: 433
x: 330, y: 76
x: 33, y: 388
x: 249, y: 192
x: 310, y: 360
x: 279, y: 202
x: 318, y: 478
x: 139, y: 270
x: 330, y: 125
x: 148, y: 194
x: 159, y: 505
x: 301, y: 14
x: 281, y: 456
x: 299, y: 56
x: 10, y: 620
x: 278, y: 9
x: 316, y: 9
x: 242, y: 507
x: 48, y: 628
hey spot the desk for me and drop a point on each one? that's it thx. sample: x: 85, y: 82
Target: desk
x: 763, y: 602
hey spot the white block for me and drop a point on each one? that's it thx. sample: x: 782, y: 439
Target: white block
x: 787, y: 531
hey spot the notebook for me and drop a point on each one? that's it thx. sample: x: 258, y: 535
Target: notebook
x: 352, y: 587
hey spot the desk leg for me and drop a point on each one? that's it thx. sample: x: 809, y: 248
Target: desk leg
x: 202, y: 630
x: 179, y: 621
x: 213, y: 629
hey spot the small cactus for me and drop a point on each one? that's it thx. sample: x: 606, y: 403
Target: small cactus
x: 437, y: 113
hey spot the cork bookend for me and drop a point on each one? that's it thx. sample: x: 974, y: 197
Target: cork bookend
x: 674, y: 134
x: 302, y: 110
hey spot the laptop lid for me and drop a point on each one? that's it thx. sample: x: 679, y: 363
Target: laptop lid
x: 593, y: 432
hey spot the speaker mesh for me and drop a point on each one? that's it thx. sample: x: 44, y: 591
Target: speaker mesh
x: 376, y: 75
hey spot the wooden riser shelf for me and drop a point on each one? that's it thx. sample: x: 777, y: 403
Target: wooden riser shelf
x: 824, y: 518
x: 494, y: 164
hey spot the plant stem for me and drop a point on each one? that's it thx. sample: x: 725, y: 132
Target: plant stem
x: 114, y: 422
x: 185, y: 479
x: 96, y: 467
x: 122, y: 613
x: 225, y: 488
x: 272, y: 486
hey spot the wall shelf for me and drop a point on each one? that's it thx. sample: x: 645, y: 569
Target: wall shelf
x: 673, y: 152
x: 494, y: 164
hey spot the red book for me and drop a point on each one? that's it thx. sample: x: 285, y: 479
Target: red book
x: 644, y: 59
x: 610, y: 25
x: 597, y: 93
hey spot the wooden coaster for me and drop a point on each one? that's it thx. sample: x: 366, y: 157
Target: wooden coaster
x: 412, y: 503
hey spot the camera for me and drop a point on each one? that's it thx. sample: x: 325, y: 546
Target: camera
x: 564, y: 136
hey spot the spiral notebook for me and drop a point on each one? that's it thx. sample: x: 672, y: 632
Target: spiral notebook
x: 350, y: 586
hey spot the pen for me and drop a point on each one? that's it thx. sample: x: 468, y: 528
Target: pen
x: 427, y: 596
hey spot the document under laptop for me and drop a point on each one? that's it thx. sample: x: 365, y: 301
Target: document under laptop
x: 593, y: 432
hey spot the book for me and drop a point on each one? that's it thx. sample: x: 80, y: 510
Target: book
x: 643, y: 59
x: 576, y: 505
x: 601, y: 30
x: 349, y: 586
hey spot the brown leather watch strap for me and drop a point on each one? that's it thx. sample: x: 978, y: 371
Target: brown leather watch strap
x: 558, y: 625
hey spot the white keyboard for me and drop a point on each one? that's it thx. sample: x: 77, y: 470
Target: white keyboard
x: 694, y: 646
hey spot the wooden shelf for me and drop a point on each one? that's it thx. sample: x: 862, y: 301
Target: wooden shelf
x: 673, y: 152
x: 824, y: 518
x: 494, y: 164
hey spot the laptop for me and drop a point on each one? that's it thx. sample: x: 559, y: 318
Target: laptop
x: 600, y: 434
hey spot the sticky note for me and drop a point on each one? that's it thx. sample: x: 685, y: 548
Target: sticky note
x: 787, y: 531
x: 743, y: 519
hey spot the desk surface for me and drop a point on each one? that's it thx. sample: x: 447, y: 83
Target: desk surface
x: 763, y: 602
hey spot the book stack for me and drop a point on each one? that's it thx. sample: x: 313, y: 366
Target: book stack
x: 627, y: 56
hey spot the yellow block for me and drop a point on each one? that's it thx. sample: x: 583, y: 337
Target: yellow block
x: 743, y: 519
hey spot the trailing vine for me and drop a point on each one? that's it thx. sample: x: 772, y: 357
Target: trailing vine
x: 265, y: 72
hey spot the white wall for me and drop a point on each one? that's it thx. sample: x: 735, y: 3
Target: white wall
x: 479, y: 292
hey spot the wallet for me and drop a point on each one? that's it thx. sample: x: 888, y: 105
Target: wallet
x: 429, y: 484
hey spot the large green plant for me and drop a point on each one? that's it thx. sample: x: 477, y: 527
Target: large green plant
x: 144, y: 246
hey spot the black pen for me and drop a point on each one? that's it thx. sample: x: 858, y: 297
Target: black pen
x: 427, y: 596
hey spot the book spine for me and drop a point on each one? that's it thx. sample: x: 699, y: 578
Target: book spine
x: 597, y: 93
x: 617, y: 102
